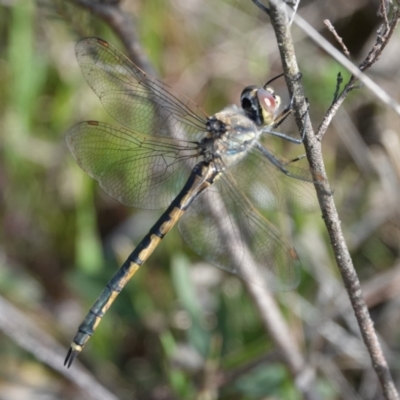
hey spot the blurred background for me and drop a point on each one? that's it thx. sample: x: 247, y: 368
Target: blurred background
x: 183, y: 329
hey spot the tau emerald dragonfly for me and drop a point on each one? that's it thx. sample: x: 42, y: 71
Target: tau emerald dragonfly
x: 170, y: 154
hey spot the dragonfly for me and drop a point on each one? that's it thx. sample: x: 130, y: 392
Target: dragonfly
x: 213, y: 174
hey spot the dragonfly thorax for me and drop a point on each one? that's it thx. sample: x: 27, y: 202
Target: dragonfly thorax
x: 230, y: 144
x: 215, y: 126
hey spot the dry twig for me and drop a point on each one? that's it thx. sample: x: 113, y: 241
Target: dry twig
x: 343, y: 60
x: 279, y: 20
x: 332, y: 29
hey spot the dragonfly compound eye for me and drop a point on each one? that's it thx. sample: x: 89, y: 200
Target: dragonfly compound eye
x: 269, y: 104
x: 250, y: 104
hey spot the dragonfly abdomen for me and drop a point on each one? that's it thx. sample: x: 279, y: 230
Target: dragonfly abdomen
x: 201, y: 178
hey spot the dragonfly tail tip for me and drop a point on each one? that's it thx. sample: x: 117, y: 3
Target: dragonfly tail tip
x: 73, y: 351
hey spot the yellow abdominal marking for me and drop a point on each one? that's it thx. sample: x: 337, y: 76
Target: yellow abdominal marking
x: 148, y: 250
x: 133, y: 267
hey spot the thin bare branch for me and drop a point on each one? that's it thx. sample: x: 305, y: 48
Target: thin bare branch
x: 382, y: 12
x: 384, y: 35
x: 329, y: 213
x: 339, y: 81
x: 332, y: 29
x: 340, y: 58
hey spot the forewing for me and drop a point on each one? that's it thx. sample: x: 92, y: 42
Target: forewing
x: 137, y: 170
x: 133, y: 98
x: 224, y: 228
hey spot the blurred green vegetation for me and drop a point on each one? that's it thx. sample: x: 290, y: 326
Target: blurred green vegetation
x: 179, y: 319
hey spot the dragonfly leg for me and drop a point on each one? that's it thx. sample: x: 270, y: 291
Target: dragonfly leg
x: 295, y: 159
x: 278, y: 164
x: 281, y: 118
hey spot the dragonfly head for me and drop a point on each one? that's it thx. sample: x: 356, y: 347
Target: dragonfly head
x: 260, y: 104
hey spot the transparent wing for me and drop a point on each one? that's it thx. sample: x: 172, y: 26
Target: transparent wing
x: 233, y: 226
x: 133, y: 98
x: 269, y: 188
x: 137, y: 170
